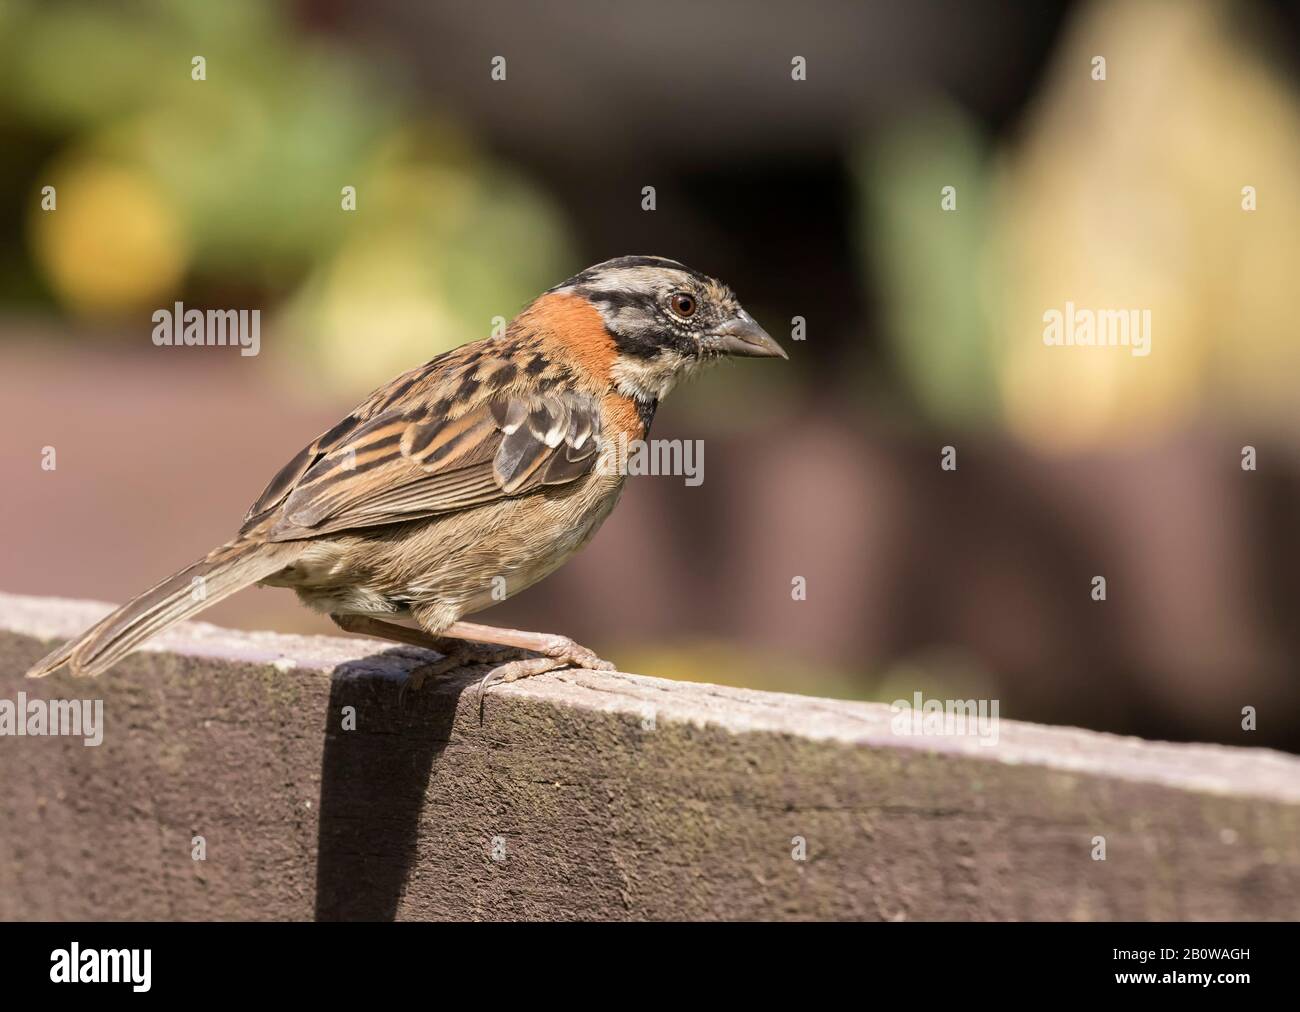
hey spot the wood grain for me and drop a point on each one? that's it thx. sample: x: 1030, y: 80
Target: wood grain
x: 617, y: 796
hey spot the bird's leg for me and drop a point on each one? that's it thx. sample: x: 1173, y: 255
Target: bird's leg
x: 364, y: 625
x: 556, y: 651
x: 456, y: 652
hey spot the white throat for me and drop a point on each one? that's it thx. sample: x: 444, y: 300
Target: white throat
x: 651, y: 379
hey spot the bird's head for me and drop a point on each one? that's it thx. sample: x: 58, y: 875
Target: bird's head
x: 665, y: 321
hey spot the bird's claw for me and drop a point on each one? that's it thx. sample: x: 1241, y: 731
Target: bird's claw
x: 559, y: 652
x: 575, y: 655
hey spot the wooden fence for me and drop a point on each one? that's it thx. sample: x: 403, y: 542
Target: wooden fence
x: 264, y: 776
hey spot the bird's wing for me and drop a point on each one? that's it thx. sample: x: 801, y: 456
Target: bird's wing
x: 413, y: 450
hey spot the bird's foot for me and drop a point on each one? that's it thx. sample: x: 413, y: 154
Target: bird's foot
x: 557, y: 652
x: 463, y: 656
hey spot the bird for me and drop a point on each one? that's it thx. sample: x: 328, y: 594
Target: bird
x: 465, y: 480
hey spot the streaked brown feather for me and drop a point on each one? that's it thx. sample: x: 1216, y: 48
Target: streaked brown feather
x: 466, y: 430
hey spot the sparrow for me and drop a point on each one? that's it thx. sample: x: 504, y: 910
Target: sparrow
x: 466, y: 479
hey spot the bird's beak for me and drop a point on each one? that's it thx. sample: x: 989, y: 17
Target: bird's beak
x: 742, y: 337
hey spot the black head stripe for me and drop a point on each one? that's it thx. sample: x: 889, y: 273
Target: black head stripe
x: 613, y: 300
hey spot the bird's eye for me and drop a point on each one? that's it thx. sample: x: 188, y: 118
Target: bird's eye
x: 683, y: 304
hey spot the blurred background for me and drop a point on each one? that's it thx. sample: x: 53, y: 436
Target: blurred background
x: 816, y: 198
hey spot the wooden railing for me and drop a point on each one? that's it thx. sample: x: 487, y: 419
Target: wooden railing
x: 264, y: 776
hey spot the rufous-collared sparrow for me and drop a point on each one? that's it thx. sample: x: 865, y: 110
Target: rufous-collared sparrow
x: 466, y: 479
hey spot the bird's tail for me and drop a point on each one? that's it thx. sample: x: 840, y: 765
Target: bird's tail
x: 216, y: 576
